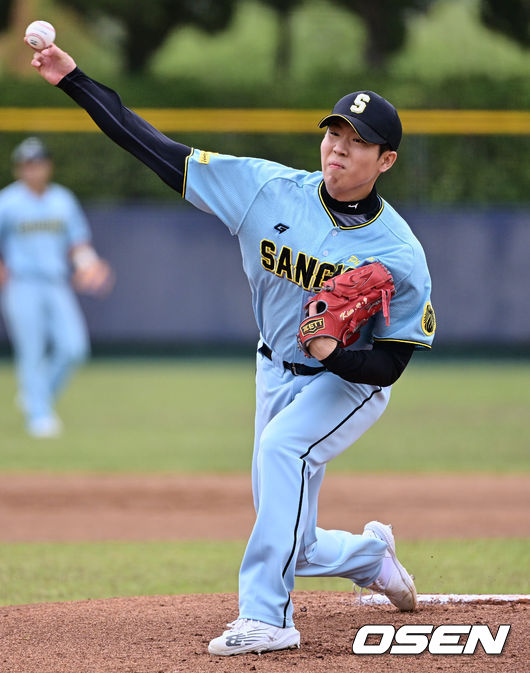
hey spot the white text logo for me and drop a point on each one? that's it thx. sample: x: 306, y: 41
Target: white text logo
x: 417, y: 638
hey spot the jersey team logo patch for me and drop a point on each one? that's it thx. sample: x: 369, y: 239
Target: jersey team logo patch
x: 313, y: 326
x: 204, y: 157
x: 428, y: 321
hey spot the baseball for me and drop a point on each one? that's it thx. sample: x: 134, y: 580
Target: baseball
x: 40, y: 34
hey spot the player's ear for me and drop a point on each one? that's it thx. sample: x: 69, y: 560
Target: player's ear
x: 387, y: 159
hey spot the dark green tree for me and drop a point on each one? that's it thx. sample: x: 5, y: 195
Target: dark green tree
x: 6, y: 7
x: 510, y: 17
x: 147, y: 24
x: 284, y: 43
x: 386, y: 24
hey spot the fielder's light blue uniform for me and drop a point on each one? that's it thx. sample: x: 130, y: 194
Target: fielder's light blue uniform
x: 291, y: 242
x: 42, y: 316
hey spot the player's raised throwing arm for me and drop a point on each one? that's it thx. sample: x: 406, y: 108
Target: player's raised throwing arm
x: 164, y: 156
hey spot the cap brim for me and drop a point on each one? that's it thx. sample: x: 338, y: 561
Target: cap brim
x: 31, y: 159
x: 366, y: 133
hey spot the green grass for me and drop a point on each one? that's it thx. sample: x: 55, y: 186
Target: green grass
x: 197, y: 416
x: 42, y: 572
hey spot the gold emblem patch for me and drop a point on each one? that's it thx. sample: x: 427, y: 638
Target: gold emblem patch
x: 204, y: 157
x: 428, y: 321
x: 312, y: 326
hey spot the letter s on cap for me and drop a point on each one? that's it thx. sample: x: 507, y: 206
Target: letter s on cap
x: 359, y: 104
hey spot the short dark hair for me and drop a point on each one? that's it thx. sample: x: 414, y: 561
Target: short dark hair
x: 384, y: 148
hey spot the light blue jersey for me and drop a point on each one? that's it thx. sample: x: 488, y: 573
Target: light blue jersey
x: 291, y: 243
x: 37, y: 230
x: 43, y: 318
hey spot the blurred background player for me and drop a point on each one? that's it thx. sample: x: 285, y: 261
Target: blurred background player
x: 42, y: 231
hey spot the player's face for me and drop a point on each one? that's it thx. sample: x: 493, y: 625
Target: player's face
x: 36, y: 174
x: 349, y: 164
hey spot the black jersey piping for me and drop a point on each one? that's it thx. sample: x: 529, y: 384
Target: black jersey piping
x: 302, y: 488
x: 295, y: 534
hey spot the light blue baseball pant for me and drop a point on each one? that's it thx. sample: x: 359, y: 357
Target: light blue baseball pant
x: 302, y: 422
x: 49, y: 338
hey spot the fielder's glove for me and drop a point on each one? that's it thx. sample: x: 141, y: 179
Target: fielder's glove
x: 345, y: 303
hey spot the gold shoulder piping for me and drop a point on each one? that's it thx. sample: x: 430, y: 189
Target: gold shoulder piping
x: 405, y: 341
x: 183, y: 193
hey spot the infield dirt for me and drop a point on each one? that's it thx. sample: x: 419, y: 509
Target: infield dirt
x: 169, y: 634
x: 182, y: 507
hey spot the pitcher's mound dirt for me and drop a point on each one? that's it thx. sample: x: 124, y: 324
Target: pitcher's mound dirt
x: 170, y: 634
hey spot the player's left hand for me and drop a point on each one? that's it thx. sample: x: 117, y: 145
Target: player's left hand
x: 320, y: 347
x: 96, y: 278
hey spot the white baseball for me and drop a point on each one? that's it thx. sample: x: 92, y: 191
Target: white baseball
x: 40, y: 34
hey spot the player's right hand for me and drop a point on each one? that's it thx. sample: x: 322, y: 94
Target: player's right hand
x: 52, y: 63
x: 96, y: 278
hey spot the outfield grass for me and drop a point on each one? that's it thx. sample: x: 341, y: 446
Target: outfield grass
x: 41, y: 572
x: 197, y: 416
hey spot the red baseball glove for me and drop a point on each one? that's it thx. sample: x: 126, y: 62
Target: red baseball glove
x: 345, y: 303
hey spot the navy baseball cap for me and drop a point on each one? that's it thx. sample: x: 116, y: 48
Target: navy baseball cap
x: 31, y: 149
x: 372, y: 116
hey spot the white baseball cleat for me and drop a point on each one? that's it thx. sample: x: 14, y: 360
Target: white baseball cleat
x: 393, y: 581
x: 48, y: 426
x: 250, y: 635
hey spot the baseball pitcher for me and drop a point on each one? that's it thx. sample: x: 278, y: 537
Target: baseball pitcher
x: 341, y: 295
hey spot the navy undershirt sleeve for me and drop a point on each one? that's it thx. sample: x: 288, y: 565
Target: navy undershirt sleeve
x: 164, y: 156
x: 382, y: 366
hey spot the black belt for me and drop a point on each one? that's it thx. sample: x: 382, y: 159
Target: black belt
x: 294, y: 367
